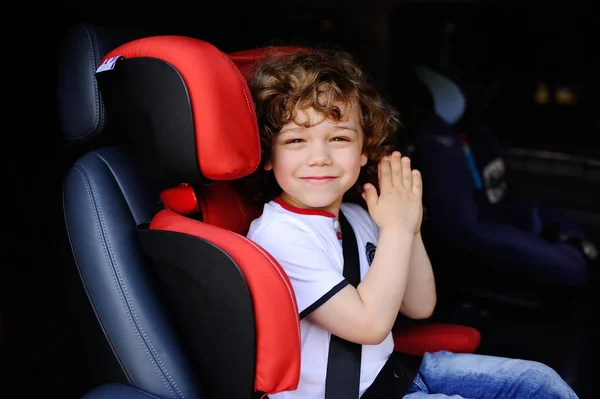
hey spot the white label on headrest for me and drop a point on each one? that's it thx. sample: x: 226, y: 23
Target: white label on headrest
x: 108, y: 64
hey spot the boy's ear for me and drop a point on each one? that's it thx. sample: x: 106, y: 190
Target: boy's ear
x: 363, y: 159
x: 268, y: 165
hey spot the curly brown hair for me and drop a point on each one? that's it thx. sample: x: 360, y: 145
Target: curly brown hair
x: 284, y: 84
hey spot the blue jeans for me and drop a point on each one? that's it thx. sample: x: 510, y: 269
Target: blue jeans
x: 464, y: 375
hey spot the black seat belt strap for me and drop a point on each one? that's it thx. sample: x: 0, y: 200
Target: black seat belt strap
x: 343, y: 365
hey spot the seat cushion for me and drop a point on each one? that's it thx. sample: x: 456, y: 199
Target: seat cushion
x: 416, y: 340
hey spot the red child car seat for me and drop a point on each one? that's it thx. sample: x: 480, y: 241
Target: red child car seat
x: 190, y: 122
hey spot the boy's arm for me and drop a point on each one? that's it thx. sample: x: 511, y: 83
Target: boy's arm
x: 366, y: 314
x: 420, y: 295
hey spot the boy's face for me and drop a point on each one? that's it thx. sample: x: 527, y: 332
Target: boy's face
x: 315, y: 166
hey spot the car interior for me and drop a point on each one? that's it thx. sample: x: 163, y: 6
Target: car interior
x: 128, y: 272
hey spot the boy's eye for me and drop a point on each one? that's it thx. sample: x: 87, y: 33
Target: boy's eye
x: 293, y: 141
x: 340, y: 139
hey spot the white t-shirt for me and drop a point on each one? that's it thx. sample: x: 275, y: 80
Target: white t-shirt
x: 306, y: 243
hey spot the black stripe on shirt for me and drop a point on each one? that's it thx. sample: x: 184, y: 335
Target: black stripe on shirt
x: 337, y: 288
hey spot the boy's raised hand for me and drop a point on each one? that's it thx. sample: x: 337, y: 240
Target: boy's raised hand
x: 399, y: 202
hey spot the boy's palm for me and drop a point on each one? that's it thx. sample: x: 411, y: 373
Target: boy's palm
x: 399, y: 203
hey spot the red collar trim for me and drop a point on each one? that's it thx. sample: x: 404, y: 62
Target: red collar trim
x: 302, y: 211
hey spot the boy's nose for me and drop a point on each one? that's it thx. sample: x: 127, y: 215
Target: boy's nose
x: 319, y: 155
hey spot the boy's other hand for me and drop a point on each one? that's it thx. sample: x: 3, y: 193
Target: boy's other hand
x: 399, y: 202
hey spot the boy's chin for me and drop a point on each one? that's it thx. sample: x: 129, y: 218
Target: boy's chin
x: 320, y: 203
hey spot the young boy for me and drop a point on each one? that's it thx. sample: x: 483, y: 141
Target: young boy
x: 325, y: 135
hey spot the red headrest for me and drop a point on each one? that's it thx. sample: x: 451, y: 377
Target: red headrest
x: 192, y: 81
x: 221, y: 206
x: 223, y: 142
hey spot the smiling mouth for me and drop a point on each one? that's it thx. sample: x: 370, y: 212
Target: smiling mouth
x: 318, y: 180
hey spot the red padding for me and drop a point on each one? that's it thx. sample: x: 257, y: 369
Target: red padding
x: 181, y: 199
x: 274, y: 301
x: 225, y: 125
x: 219, y: 204
x: 417, y: 339
x: 222, y: 206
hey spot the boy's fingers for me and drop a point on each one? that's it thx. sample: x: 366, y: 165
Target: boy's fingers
x: 385, y: 176
x: 417, y: 180
x: 370, y: 195
x: 396, y: 169
x: 407, y: 178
